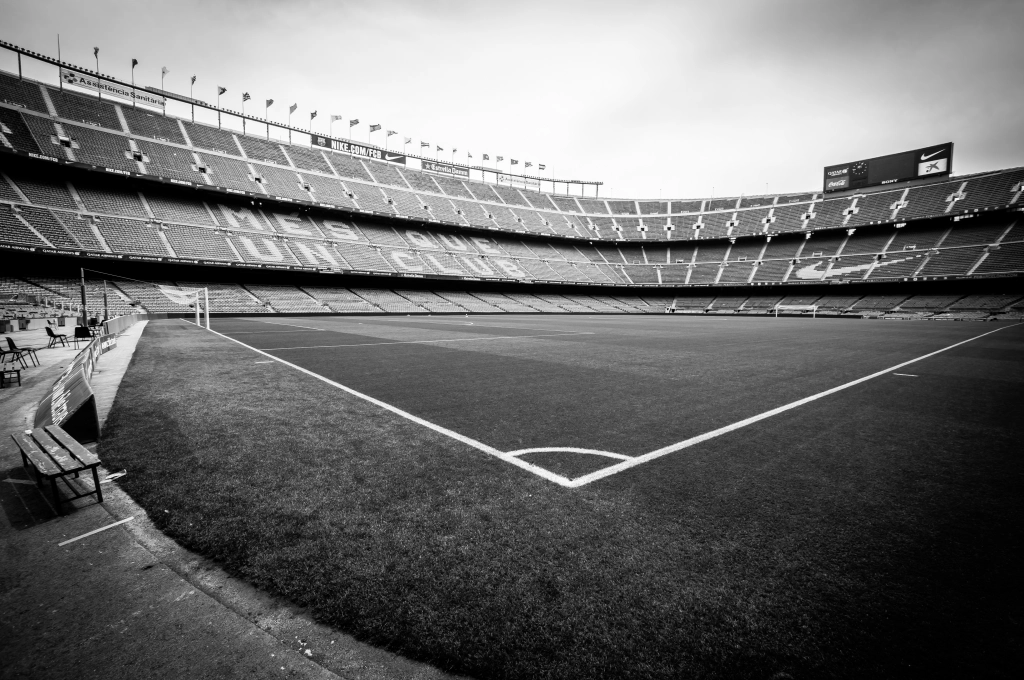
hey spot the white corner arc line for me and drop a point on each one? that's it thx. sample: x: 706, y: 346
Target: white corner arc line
x: 96, y: 531
x: 423, y: 342
x: 490, y: 450
x: 672, y: 448
x: 569, y: 449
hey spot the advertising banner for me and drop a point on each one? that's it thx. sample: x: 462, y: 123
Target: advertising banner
x: 110, y: 89
x: 897, y: 167
x: 70, y: 402
x: 446, y: 169
x: 355, y: 149
x: 519, y: 182
x: 180, y: 97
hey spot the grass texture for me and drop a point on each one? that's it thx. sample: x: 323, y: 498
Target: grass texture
x: 872, y: 533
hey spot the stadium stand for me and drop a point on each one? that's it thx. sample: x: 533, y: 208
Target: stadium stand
x: 83, y: 109
x: 384, y: 173
x: 308, y: 159
x: 14, y: 133
x: 109, y: 200
x: 950, y: 227
x: 341, y: 300
x: 257, y: 149
x: 170, y: 161
x: 211, y: 138
x: 287, y: 299
x: 387, y: 301
x: 44, y: 222
x: 21, y: 93
x: 452, y: 187
x: 146, y: 124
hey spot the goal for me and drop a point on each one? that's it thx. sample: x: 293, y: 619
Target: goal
x: 813, y: 309
x: 199, y: 298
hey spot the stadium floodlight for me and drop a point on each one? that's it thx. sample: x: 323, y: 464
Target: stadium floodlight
x: 135, y: 62
x: 99, y: 89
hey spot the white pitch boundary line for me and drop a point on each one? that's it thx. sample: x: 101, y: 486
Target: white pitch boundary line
x: 640, y: 460
x: 420, y: 342
x: 266, y: 332
x: 95, y: 531
x: 490, y: 450
x: 510, y: 457
x: 431, y: 320
x: 905, y: 375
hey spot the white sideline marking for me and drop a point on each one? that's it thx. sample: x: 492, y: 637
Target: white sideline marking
x: 95, y: 531
x: 264, y: 362
x: 20, y: 481
x: 420, y: 342
x: 490, y: 450
x: 906, y: 375
x: 478, y: 324
x: 265, y: 332
x: 628, y: 462
x: 639, y: 460
x: 295, y: 325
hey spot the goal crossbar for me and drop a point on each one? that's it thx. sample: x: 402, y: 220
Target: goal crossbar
x: 813, y: 309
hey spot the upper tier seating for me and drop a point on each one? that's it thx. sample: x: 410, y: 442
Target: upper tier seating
x: 101, y: 148
x: 146, y: 124
x: 214, y: 139
x: 93, y: 131
x: 257, y: 149
x: 16, y: 133
x: 85, y: 109
x: 23, y: 93
x: 308, y: 159
x: 170, y: 161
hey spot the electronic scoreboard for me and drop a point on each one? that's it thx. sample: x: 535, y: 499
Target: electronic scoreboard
x: 897, y: 167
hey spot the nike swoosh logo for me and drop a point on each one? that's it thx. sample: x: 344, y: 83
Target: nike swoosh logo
x: 924, y: 158
x: 390, y: 158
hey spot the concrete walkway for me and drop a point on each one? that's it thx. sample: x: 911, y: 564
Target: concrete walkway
x: 128, y: 602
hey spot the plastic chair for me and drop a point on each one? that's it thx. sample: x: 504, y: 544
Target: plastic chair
x: 56, y: 337
x: 30, y: 352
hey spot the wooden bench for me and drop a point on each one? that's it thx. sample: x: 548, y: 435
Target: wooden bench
x: 54, y: 454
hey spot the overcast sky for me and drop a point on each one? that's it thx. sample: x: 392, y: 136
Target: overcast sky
x: 672, y: 99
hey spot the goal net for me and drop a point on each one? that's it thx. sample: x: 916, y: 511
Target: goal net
x: 813, y: 309
x: 194, y: 298
x: 110, y: 295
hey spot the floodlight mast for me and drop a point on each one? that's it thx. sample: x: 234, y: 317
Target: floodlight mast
x: 85, y: 311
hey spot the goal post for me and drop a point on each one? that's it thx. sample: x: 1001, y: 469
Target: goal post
x: 813, y: 309
x: 117, y: 294
x: 196, y: 298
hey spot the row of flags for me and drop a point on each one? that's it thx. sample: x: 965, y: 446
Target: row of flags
x: 334, y: 117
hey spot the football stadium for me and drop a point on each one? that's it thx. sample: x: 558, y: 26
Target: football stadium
x: 282, y: 402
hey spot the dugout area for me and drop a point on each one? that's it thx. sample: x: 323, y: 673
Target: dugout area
x: 868, y: 532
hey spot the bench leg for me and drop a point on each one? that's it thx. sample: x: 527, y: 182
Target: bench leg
x: 32, y: 469
x: 56, y: 495
x: 96, y: 481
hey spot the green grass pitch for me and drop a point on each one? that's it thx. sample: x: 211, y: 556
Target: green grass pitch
x: 873, y: 532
